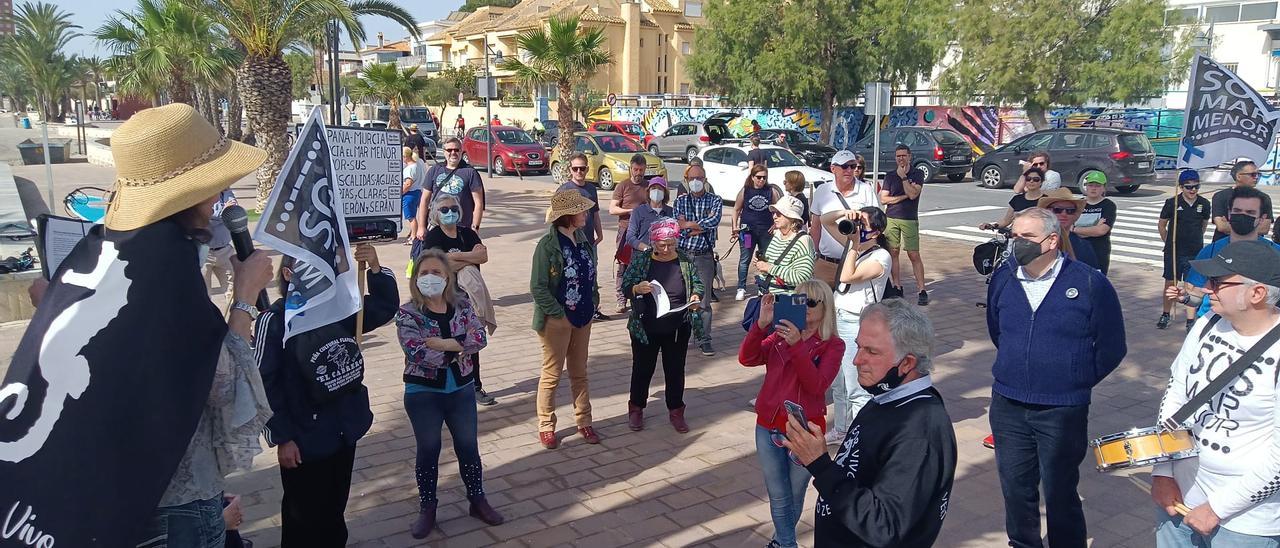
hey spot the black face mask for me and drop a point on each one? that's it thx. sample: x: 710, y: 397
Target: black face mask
x: 892, y: 379
x: 1025, y: 251
x: 1242, y: 224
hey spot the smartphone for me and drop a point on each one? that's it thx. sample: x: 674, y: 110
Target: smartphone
x: 796, y: 411
x: 790, y: 307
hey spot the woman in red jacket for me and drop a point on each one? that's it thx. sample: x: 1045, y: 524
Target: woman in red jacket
x: 800, y: 365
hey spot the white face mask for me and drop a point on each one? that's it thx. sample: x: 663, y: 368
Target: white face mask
x: 655, y: 195
x: 431, y: 285
x: 696, y: 185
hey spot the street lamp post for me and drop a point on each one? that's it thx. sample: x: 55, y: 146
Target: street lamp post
x: 489, y: 94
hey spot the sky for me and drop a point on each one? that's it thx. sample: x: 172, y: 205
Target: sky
x: 90, y: 14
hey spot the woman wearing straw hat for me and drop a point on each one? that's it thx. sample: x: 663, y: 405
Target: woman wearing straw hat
x: 565, y: 298
x: 187, y: 399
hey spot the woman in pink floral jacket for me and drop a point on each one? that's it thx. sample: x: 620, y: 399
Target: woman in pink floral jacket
x: 441, y: 335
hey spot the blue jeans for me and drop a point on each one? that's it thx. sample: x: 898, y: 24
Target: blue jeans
x: 196, y: 524
x: 786, y: 483
x: 1172, y: 533
x: 746, y: 255
x: 1040, y: 446
x: 428, y: 411
x: 849, y: 396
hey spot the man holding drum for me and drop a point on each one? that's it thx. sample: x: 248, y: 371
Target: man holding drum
x: 1231, y: 491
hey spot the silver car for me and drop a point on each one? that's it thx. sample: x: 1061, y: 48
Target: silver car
x: 687, y: 139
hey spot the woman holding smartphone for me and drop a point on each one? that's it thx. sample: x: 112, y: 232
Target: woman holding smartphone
x: 800, y: 364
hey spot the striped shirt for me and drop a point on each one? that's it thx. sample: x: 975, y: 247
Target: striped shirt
x: 706, y: 211
x: 793, y: 269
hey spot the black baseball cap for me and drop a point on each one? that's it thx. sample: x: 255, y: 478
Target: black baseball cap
x: 1253, y: 259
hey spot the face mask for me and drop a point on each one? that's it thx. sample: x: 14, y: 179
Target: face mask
x: 1242, y: 224
x: 696, y: 185
x: 864, y: 236
x: 1025, y: 251
x: 431, y: 285
x: 892, y: 379
x: 655, y: 195
x: 450, y: 218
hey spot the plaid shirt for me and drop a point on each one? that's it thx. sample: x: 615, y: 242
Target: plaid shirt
x: 706, y: 211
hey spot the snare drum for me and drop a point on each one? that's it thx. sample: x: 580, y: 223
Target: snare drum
x: 1142, y: 447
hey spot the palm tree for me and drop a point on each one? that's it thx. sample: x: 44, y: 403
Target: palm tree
x: 384, y: 83
x: 40, y: 32
x: 564, y: 54
x: 265, y: 29
x: 94, y: 66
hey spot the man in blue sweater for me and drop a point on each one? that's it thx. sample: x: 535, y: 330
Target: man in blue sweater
x: 1057, y: 328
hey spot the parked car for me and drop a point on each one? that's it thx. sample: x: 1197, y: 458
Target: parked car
x: 361, y: 123
x: 687, y: 139
x: 934, y: 151
x: 413, y: 115
x: 513, y: 149
x: 552, y: 133
x: 630, y: 129
x: 726, y: 167
x: 803, y: 145
x: 608, y: 159
x: 1124, y: 155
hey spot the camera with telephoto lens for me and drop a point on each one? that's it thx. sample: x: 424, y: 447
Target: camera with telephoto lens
x: 847, y: 227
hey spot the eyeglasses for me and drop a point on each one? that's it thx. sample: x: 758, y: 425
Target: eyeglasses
x: 450, y: 209
x: 1216, y: 284
x: 1249, y: 173
x: 1034, y: 180
x: 1190, y: 187
x: 1064, y: 210
x: 577, y: 168
x: 452, y: 150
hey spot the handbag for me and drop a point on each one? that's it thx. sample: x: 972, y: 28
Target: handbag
x: 751, y: 313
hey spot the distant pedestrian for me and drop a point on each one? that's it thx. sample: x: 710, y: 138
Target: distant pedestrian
x: 800, y: 364
x: 666, y: 335
x: 565, y: 294
x: 1029, y: 198
x: 845, y: 196
x: 757, y: 156
x: 538, y: 130
x: 1183, y: 233
x: 412, y: 176
x: 414, y: 140
x: 901, y: 198
x: 457, y: 178
x: 755, y: 128
x: 1038, y: 160
x: 1096, y: 218
x: 642, y: 216
x: 495, y: 121
x: 698, y: 213
x: 1245, y: 174
x: 752, y: 222
x: 794, y: 184
x: 217, y: 265
x: 459, y: 127
x: 440, y: 334
x: 1067, y: 208
x: 627, y: 196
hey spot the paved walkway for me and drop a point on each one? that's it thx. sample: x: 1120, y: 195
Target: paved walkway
x: 657, y: 487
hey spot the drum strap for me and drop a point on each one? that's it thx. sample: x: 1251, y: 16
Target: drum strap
x: 1223, y: 380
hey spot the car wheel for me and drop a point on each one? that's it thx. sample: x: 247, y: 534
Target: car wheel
x: 926, y: 169
x: 991, y: 177
x: 1127, y: 189
x: 498, y: 167
x: 606, y: 179
x: 955, y: 177
x: 653, y: 149
x: 690, y: 154
x: 559, y: 173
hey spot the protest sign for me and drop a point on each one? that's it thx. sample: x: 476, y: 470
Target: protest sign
x: 1225, y: 119
x: 367, y: 166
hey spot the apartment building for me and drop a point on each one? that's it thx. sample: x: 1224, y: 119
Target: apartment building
x: 1244, y: 36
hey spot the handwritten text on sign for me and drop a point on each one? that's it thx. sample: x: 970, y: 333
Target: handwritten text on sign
x: 367, y: 165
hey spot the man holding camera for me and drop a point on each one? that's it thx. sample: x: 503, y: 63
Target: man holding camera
x: 846, y: 195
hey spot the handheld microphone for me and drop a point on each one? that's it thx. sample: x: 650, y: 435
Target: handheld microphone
x: 237, y: 221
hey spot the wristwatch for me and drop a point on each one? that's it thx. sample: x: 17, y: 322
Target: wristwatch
x: 249, y: 309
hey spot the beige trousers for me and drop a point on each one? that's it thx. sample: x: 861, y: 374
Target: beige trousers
x: 563, y: 347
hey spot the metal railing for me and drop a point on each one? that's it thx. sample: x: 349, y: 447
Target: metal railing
x: 420, y: 61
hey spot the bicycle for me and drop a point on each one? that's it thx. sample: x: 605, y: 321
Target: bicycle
x: 989, y: 256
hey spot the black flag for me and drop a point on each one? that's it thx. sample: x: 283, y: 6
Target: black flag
x: 105, y: 389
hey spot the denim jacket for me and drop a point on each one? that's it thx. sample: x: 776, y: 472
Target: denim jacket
x: 425, y: 366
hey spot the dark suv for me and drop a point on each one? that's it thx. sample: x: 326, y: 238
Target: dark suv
x: 802, y: 144
x: 934, y: 151
x: 1124, y: 155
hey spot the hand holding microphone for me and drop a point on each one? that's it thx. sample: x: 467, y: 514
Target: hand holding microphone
x: 252, y: 270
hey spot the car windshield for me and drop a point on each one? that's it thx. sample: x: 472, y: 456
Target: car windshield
x: 550, y: 124
x: 618, y: 143
x: 948, y: 137
x: 514, y: 137
x: 415, y: 115
x: 798, y: 137
x: 781, y: 158
x: 632, y: 129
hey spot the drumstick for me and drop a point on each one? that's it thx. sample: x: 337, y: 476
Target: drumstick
x: 1146, y: 487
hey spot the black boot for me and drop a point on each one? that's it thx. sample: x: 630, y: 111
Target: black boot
x: 425, y: 523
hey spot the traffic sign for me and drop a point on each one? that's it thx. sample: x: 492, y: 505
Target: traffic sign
x: 612, y: 99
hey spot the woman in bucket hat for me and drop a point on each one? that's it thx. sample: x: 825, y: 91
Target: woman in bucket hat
x: 565, y: 298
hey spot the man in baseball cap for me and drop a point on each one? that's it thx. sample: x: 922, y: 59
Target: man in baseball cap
x: 848, y: 194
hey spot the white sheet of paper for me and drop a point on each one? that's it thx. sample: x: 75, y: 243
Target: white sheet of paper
x: 664, y: 302
x: 60, y: 237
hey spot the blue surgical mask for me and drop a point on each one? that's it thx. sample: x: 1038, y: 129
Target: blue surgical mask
x: 865, y: 236
x: 450, y: 217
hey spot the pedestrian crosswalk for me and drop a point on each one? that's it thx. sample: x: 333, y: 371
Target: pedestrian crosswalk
x: 1135, y: 238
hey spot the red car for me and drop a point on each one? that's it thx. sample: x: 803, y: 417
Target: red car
x: 630, y: 129
x: 513, y: 149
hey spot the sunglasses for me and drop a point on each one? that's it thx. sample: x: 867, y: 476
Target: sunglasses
x: 759, y: 177
x: 1216, y: 284
x: 1190, y: 187
x: 577, y: 168
x: 450, y: 209
x: 1037, y: 163
x: 860, y: 166
x: 1249, y: 173
x: 847, y: 166
x: 1034, y: 180
x: 1064, y: 210
x: 812, y: 303
x: 452, y: 150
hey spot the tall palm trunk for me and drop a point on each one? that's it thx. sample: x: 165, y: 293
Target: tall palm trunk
x: 266, y: 86
x: 564, y: 111
x: 393, y: 115
x: 180, y: 89
x: 235, y: 114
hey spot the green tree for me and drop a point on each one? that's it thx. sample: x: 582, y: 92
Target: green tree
x: 265, y: 29
x: 827, y: 49
x: 473, y: 5
x: 385, y: 84
x: 585, y: 100
x: 41, y: 31
x: 564, y: 53
x: 439, y: 92
x: 1067, y: 52
x: 303, y: 69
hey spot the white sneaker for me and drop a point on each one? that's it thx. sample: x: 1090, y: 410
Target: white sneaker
x: 741, y: 295
x: 835, y: 437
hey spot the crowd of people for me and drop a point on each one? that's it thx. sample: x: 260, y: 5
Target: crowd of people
x: 825, y: 314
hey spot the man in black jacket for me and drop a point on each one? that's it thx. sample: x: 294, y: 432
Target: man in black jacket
x: 414, y: 140
x: 890, y: 482
x: 316, y: 424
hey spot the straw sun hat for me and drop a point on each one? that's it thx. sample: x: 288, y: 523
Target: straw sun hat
x: 169, y: 159
x: 567, y: 202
